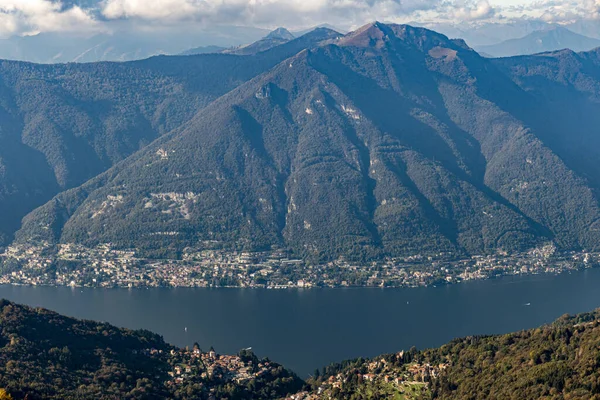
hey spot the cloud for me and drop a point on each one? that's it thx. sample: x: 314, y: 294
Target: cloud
x: 558, y: 11
x: 292, y: 13
x: 296, y: 13
x: 592, y: 8
x: 33, y: 16
x: 472, y: 10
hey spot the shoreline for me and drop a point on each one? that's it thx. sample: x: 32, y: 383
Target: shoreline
x: 307, y: 288
x: 77, y: 266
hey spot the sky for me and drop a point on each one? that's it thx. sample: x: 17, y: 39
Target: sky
x: 27, y: 17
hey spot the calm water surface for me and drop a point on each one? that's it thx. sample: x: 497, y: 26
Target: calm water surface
x: 306, y: 329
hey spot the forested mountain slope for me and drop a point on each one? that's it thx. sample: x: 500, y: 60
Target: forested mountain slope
x: 63, y: 124
x: 44, y: 355
x: 556, y: 361
x: 564, y: 99
x: 391, y: 140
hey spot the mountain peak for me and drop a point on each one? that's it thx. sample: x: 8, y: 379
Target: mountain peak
x: 280, y: 33
x: 374, y: 35
x: 377, y: 34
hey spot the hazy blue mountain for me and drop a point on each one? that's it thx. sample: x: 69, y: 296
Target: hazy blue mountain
x: 555, y: 38
x: 273, y: 39
x: 391, y: 140
x: 487, y: 33
x: 326, y: 26
x: 124, y: 45
x: 202, y: 50
x: 281, y: 33
x: 585, y: 27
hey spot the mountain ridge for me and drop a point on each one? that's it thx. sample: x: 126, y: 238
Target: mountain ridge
x: 311, y: 163
x: 552, y: 39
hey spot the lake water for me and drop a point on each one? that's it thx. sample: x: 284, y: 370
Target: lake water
x: 306, y: 329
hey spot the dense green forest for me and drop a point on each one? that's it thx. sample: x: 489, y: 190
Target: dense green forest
x: 44, y: 355
x: 388, y: 141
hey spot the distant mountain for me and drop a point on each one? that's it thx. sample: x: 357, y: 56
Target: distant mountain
x: 555, y: 38
x: 391, y: 140
x: 326, y: 26
x: 282, y: 34
x: 202, y: 50
x: 273, y: 39
x: 120, y: 45
x: 487, y: 33
x: 64, y: 124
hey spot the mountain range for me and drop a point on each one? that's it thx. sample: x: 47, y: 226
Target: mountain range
x: 121, y: 45
x: 554, y: 38
x: 508, y: 38
x: 388, y: 141
x: 479, y: 33
x: 130, y: 44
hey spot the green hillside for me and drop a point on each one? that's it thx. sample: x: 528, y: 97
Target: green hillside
x: 63, y: 124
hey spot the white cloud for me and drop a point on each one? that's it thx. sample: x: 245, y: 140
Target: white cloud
x: 33, y: 16
x: 472, y: 10
x: 30, y: 16
x: 558, y: 11
x: 292, y: 13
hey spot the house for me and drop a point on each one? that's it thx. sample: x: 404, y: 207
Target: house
x: 369, y: 377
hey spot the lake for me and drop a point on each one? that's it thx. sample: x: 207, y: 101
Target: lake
x: 310, y: 328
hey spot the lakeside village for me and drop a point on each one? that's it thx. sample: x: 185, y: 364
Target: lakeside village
x: 397, y: 375
x: 103, y: 266
x: 209, y: 370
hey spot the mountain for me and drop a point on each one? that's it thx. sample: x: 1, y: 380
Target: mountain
x: 554, y: 361
x: 389, y: 141
x: 202, y: 50
x: 478, y: 33
x: 555, y: 38
x: 66, y: 123
x: 277, y: 37
x: 48, y: 356
x: 282, y: 34
x: 326, y: 26
x: 121, y: 45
